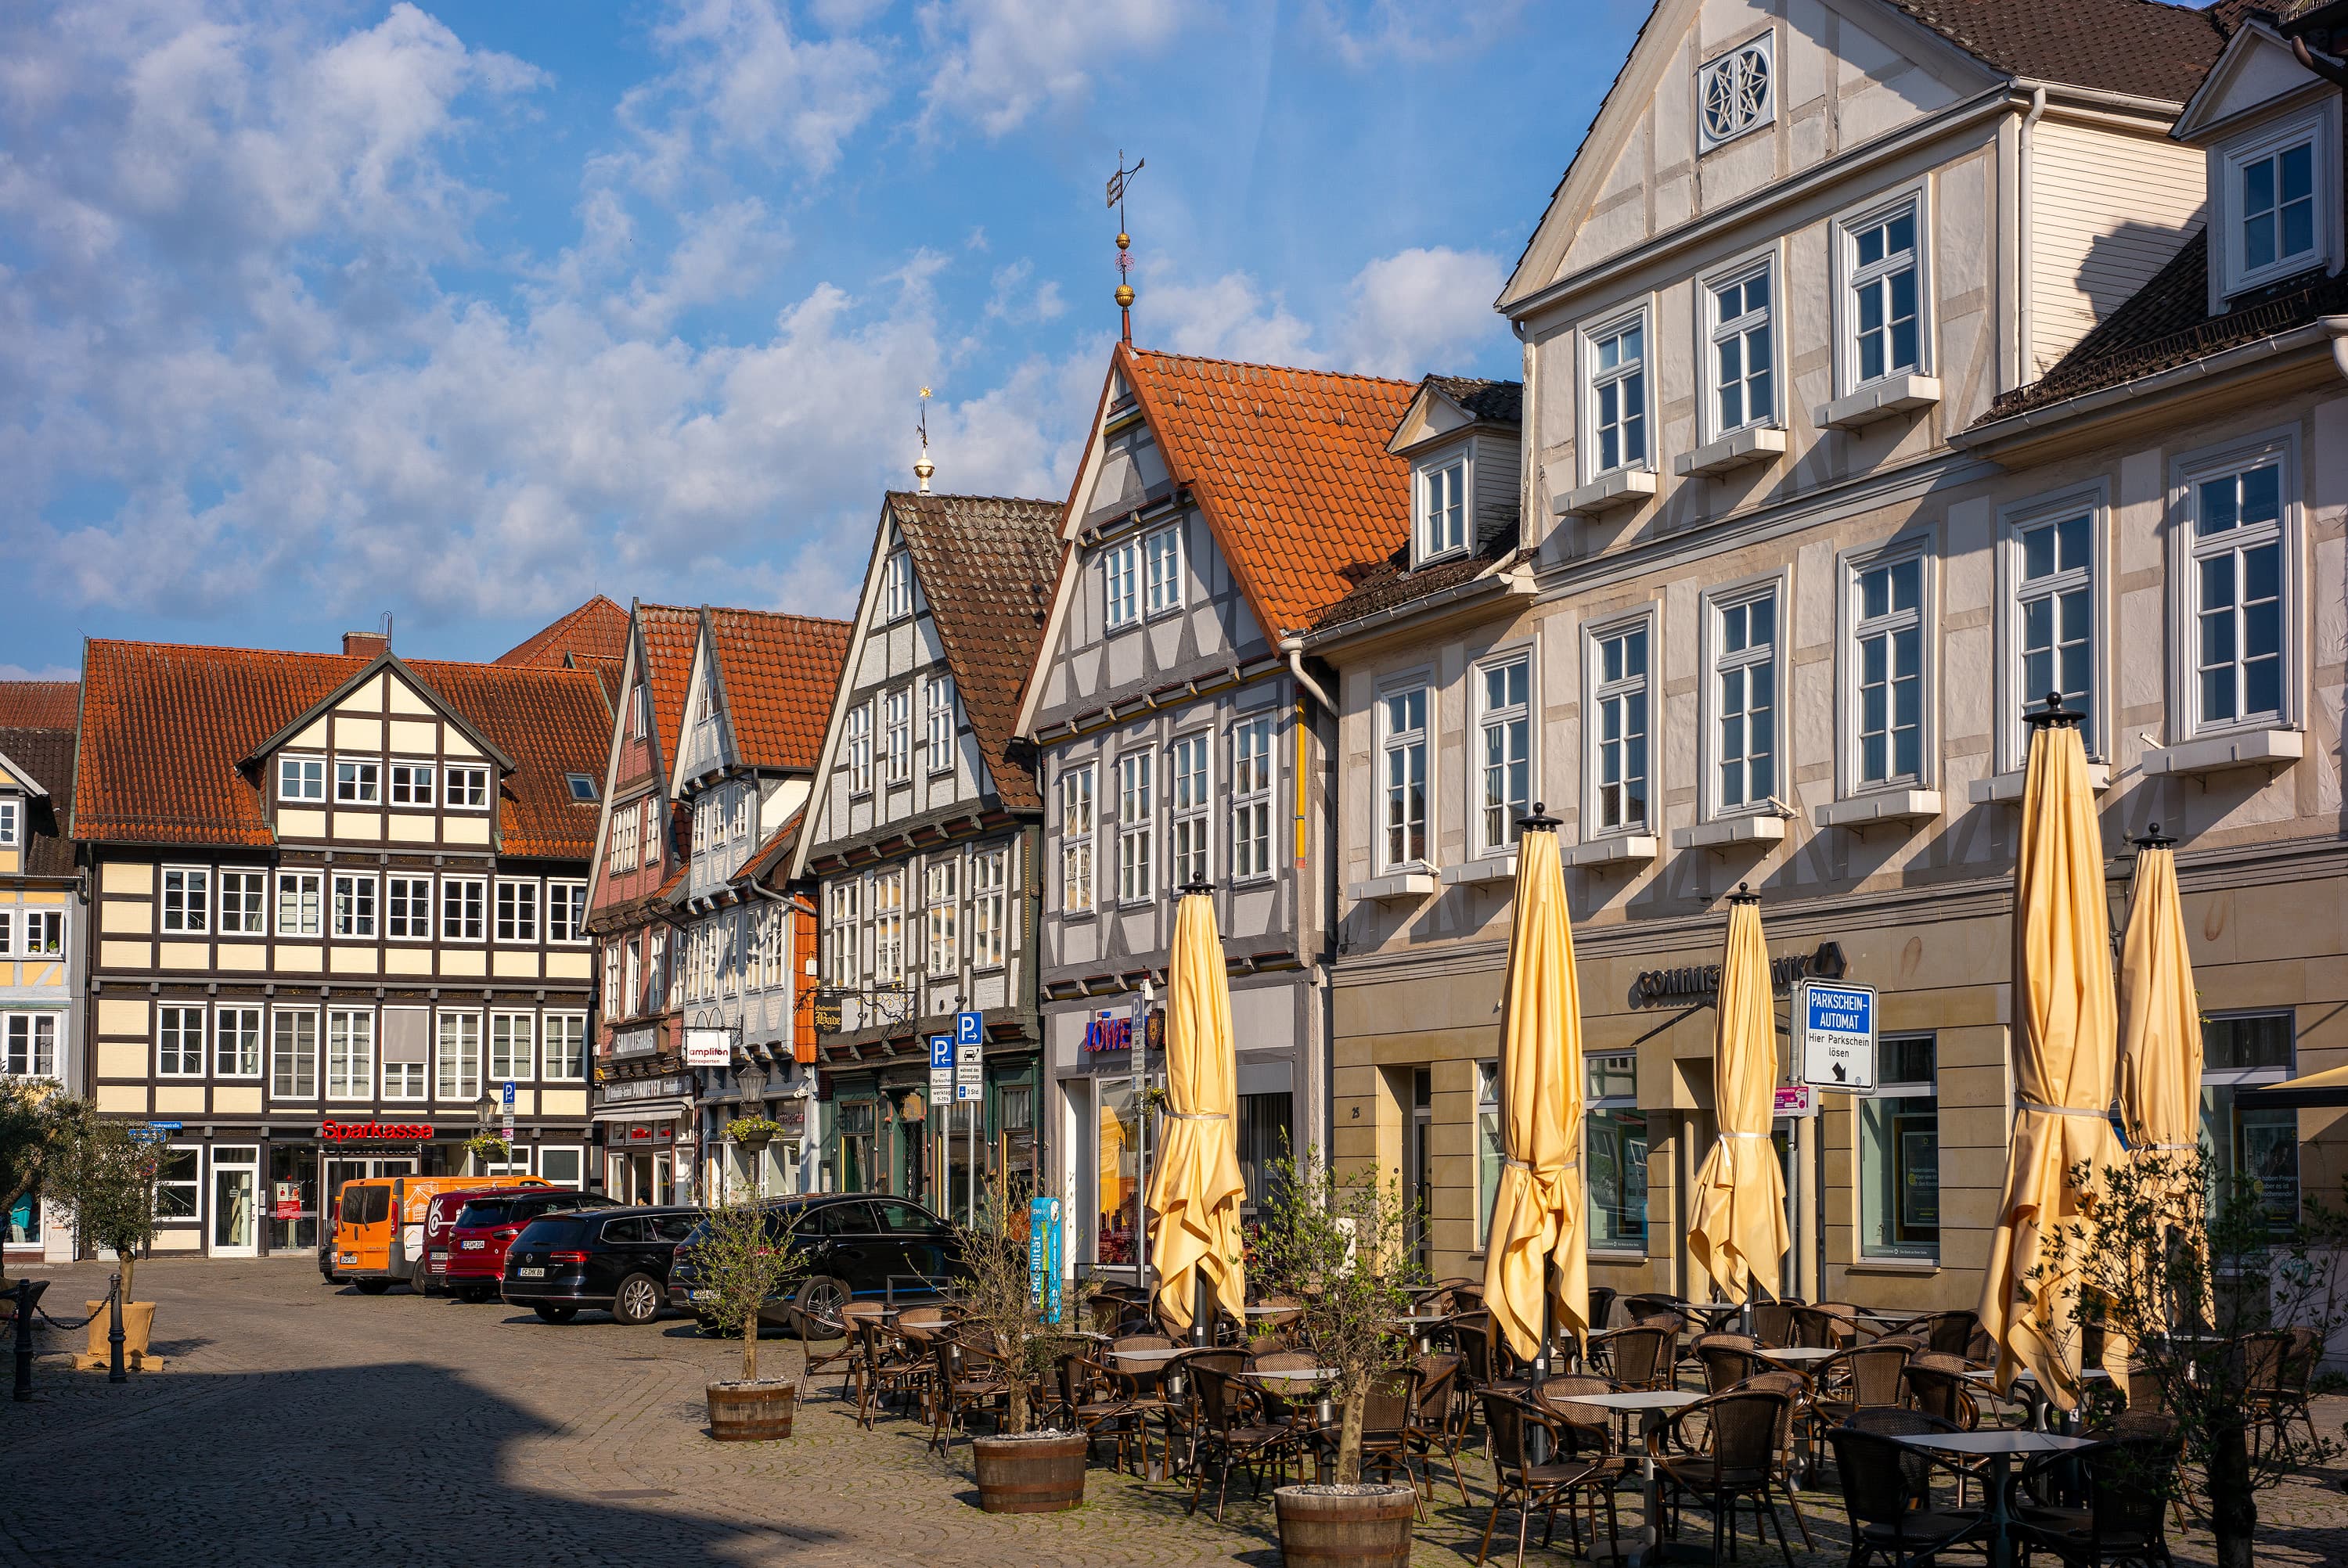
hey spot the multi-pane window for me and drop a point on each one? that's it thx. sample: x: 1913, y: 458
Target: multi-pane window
x: 860, y: 749
x: 353, y: 905
x: 460, y: 1056
x: 1887, y: 637
x: 897, y: 586
x: 1504, y: 722
x: 944, y: 935
x: 243, y: 903
x: 566, y: 1046
x: 509, y: 1044
x: 640, y: 712
x: 1886, y: 332
x: 411, y: 784
x: 1742, y: 362
x: 1186, y: 799
x: 1618, y: 395
x: 2278, y: 194
x: 2257, y: 1146
x: 358, y: 783
x: 467, y: 787
x: 623, y: 840
x: 236, y: 1042
x: 178, y: 1041
x: 1404, y: 813
x: 45, y: 934
x: 461, y: 901
x: 1619, y: 748
x: 898, y: 710
x: 350, y: 1054
x: 566, y: 911
x: 1899, y: 1152
x: 937, y: 723
x: 655, y: 971
x: 1137, y: 824
x: 1442, y: 509
x: 1745, y: 701
x: 407, y: 907
x: 2054, y: 614
x: 294, y: 1055
x: 1161, y: 555
x: 1076, y: 839
x: 2238, y: 574
x: 1251, y: 774
x: 31, y: 1045
x: 841, y: 931
x: 1120, y: 583
x: 1615, y: 1155
x: 300, y: 778
x: 1491, y: 1147
x: 11, y: 820
x: 622, y: 995
x: 517, y: 911
x: 988, y: 895
x: 301, y: 896
x: 187, y: 899
x: 178, y: 1181
x: 612, y: 1007
x: 889, y: 928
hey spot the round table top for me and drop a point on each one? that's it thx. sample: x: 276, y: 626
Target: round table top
x: 1270, y: 1311
x: 2004, y: 1441
x: 2024, y: 1374
x: 1637, y: 1399
x: 1794, y: 1353
x: 1420, y: 1317
x: 1296, y: 1375
x: 1149, y: 1355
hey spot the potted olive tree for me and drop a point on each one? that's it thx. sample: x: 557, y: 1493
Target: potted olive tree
x: 1340, y: 1247
x: 108, y: 1177
x: 1021, y: 1469
x: 745, y: 1256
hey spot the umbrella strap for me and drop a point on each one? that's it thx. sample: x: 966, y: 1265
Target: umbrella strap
x: 1197, y: 1115
x: 2059, y: 1110
x: 1745, y: 1134
x: 1567, y: 1163
x: 2172, y: 1145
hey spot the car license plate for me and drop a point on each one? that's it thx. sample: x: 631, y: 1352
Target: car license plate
x: 530, y: 1273
x: 348, y: 1258
x: 471, y: 1245
x: 705, y: 1295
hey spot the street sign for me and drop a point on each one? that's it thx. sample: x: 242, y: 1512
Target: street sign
x: 940, y: 1069
x: 1834, y: 1036
x: 970, y: 1065
x: 970, y: 1028
x: 510, y: 1096
x: 968, y: 1094
x: 1796, y: 1099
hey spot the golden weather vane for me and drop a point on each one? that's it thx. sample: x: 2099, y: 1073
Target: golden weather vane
x: 1117, y: 184
x: 922, y: 466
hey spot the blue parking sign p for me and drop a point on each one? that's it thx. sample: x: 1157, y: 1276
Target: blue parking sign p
x: 969, y: 1029
x: 942, y: 1051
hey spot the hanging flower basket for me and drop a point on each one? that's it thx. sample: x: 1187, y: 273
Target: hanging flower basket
x: 486, y: 1147
x: 753, y: 1131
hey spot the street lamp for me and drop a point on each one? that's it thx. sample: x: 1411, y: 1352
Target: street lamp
x: 752, y: 1083
x: 485, y: 1115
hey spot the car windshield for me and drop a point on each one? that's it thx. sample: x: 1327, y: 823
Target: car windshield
x: 485, y: 1211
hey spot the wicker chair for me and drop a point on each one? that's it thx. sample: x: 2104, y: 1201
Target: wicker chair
x: 1266, y: 1345
x: 1949, y: 1333
x: 1142, y: 1342
x: 1773, y: 1323
x: 1727, y: 1360
x: 1795, y: 1388
x: 2127, y: 1482
x: 1089, y: 1403
x: 1437, y: 1426
x: 1830, y: 1325
x: 1510, y: 1421
x: 1176, y: 1398
x: 1643, y: 1356
x: 1733, y: 1462
x: 1587, y: 1429
x: 1852, y: 1380
x: 1882, y: 1481
x: 967, y: 1379
x: 1649, y: 1305
x: 1601, y: 1307
x: 1937, y: 1385
x: 1229, y: 1429
x: 2279, y: 1368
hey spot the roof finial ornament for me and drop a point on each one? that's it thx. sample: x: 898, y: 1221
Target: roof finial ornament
x: 922, y: 466
x: 1117, y: 184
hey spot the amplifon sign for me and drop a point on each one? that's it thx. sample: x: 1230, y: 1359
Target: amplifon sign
x: 375, y: 1132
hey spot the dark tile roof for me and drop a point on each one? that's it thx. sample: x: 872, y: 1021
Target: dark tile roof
x: 2167, y: 324
x: 1290, y: 468
x: 596, y: 630
x: 778, y: 673
x: 165, y: 727
x: 986, y: 564
x: 47, y: 753
x: 40, y: 705
x: 1389, y: 584
x: 1501, y: 402
x: 2137, y: 47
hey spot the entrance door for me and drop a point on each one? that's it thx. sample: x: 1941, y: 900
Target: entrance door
x: 236, y: 1184
x: 1418, y: 1189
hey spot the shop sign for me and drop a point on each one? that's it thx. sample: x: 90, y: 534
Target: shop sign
x: 153, y: 1132
x: 790, y: 1115
x: 709, y: 1048
x: 1113, y: 1032
x: 289, y: 1201
x: 1043, y: 1255
x: 375, y: 1132
x: 1796, y: 1099
x: 1834, y: 1036
x: 641, y: 1088
x: 639, y: 1041
x: 1700, y: 982
x: 827, y: 1011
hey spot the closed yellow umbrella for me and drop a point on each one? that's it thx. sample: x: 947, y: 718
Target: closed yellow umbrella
x: 1536, y: 1212
x: 1196, y: 1190
x: 2065, y: 1047
x: 1739, y: 1235
x: 2159, y: 1023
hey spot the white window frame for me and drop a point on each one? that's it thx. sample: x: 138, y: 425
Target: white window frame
x: 527, y: 1069
x: 989, y: 906
x: 308, y: 890
x: 413, y: 784
x: 1850, y: 666
x: 358, y: 780
x: 1597, y: 691
x: 468, y: 908
x: 2318, y: 124
x: 938, y: 722
x: 614, y: 1004
x: 1137, y: 827
x: 941, y: 916
x: 564, y: 1057
x: 306, y: 772
x: 179, y: 1013
x: 1442, y: 488
x: 456, y: 1075
x: 250, y: 907
x: 404, y: 920
x: 195, y: 1215
x: 640, y: 711
x: 1764, y: 43
x: 21, y: 1027
x: 1393, y: 743
x: 844, y: 904
x: 354, y: 915
x: 231, y: 1019
x: 1593, y: 339
x: 1255, y: 778
x: 624, y: 851
x: 2013, y: 694
x: 1189, y: 805
x: 518, y: 920
x: 2188, y: 550
x: 897, y: 713
x: 1503, y: 718
x: 897, y: 586
x: 188, y: 911
x: 886, y: 920
x: 12, y: 815
x: 359, y: 1039
x: 570, y: 898
x: 859, y: 750
x: 32, y: 919
x: 1161, y: 571
x: 459, y: 782
x: 285, y: 1049
x: 1080, y: 823
x: 1121, y: 584
x: 1716, y: 330
x: 1850, y: 277
x: 1717, y: 660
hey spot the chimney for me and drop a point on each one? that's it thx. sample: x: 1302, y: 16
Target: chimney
x: 366, y: 644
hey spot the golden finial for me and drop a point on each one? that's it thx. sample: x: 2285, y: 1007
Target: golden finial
x: 922, y: 466
x: 1117, y: 184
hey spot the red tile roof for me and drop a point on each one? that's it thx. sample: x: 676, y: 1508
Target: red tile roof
x: 777, y: 674
x: 596, y: 630
x: 1290, y: 466
x: 164, y: 728
x: 669, y: 631
x: 40, y: 704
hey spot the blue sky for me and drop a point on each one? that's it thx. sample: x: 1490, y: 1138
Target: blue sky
x: 466, y: 312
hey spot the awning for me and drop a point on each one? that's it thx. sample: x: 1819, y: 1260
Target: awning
x: 2312, y: 1089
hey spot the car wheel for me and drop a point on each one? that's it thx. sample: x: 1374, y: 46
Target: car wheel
x: 371, y: 1286
x: 555, y: 1311
x: 819, y: 1298
x: 637, y: 1301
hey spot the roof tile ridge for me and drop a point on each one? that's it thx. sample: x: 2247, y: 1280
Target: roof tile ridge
x: 1260, y: 364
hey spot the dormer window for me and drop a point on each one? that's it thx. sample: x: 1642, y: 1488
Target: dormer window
x: 2276, y: 183
x: 1442, y: 509
x: 1736, y: 92
x: 897, y: 587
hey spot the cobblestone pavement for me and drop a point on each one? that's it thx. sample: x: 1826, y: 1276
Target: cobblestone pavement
x: 298, y: 1424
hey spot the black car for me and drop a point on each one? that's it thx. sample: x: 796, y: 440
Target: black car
x: 859, y: 1245
x: 614, y: 1259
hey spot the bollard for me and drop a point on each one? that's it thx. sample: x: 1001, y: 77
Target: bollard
x: 114, y: 1373
x: 28, y: 1295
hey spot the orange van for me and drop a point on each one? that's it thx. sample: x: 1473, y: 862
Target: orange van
x: 378, y: 1237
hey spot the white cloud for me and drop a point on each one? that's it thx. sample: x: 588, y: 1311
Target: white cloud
x: 1362, y: 31
x: 1227, y: 317
x: 1421, y: 309
x: 46, y: 672
x: 997, y: 63
x: 1019, y: 302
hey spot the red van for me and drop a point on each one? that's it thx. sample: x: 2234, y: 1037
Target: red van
x: 485, y: 1226
x: 439, y: 1219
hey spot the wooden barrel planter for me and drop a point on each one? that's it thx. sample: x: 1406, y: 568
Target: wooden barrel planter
x: 752, y: 1412
x: 1345, y: 1527
x: 1031, y: 1472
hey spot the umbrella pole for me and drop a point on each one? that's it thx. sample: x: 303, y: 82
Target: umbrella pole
x: 1203, y: 1302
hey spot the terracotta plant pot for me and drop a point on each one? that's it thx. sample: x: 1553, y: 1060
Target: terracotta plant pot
x: 752, y: 1412
x: 1033, y: 1472
x: 137, y: 1329
x: 1345, y: 1527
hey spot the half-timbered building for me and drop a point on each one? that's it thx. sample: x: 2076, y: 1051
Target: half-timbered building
x: 41, y: 916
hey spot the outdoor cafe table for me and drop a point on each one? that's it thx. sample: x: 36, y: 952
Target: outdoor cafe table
x: 2033, y: 1397
x: 1652, y: 1405
x: 1419, y: 1323
x: 1999, y: 1447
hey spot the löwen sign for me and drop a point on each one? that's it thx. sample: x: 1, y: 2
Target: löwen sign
x: 375, y: 1132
